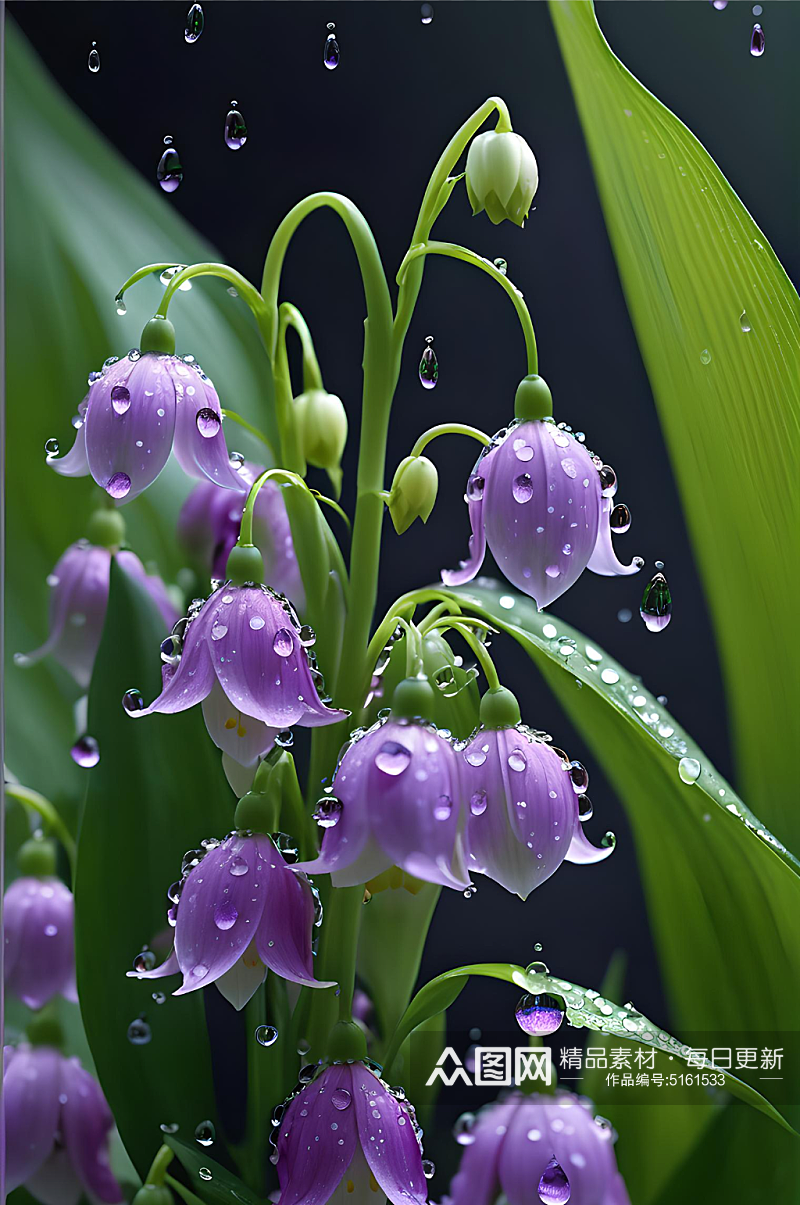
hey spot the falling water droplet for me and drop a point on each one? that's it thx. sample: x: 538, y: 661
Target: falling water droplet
x: 139, y: 1032
x: 757, y: 41
x: 426, y: 13
x: 235, y: 129
x: 330, y: 53
x: 120, y: 305
x: 744, y: 322
x: 169, y: 172
x: 85, y: 752
x: 328, y: 812
x: 159, y: 997
x: 689, y: 770
x: 119, y: 486
x: 120, y: 400
x: 132, y: 701
x: 205, y: 1133
x: 392, y: 758
x: 462, y: 1130
x: 145, y: 960
x: 428, y: 1168
x: 620, y: 519
x: 428, y: 366
x: 94, y: 59
x: 705, y: 356
x: 341, y: 1099
x: 51, y: 447
x: 195, y: 21
x: 283, y: 643
x: 656, y: 608
x: 208, y: 422
x: 554, y: 1186
x: 266, y: 1035
x: 539, y: 1014
x: 522, y: 489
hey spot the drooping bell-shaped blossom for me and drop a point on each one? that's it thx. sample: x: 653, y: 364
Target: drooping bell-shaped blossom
x: 348, y: 1137
x: 524, y: 803
x: 137, y: 410
x: 543, y: 503
x: 525, y: 1150
x: 39, y: 940
x: 57, y: 1126
x: 239, y: 909
x: 78, y: 602
x: 208, y: 528
x: 396, y: 802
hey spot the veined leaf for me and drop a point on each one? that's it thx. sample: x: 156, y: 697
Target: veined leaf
x: 718, y: 325
x: 209, y: 1178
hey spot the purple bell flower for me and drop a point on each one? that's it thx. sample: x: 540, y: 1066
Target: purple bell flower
x: 57, y: 1127
x: 39, y: 935
x: 397, y: 803
x: 239, y: 909
x: 543, y: 503
x: 208, y: 528
x: 136, y: 411
x: 363, y: 1137
x: 524, y: 808
x: 527, y: 1150
x: 80, y: 585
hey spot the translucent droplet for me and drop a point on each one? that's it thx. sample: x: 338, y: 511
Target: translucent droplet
x: 620, y: 519
x: 539, y: 1014
x: 705, y: 356
x: 523, y: 450
x: 517, y: 760
x: 226, y: 915
x: 205, y: 1133
x: 169, y: 172
x: 238, y: 866
x: 85, y: 752
x: 478, y: 803
x: 307, y: 636
x: 139, y: 1033
x: 585, y: 808
x: 120, y: 305
x: 428, y: 366
x: 283, y: 644
x: 579, y: 776
x: 205, y: 1174
x: 195, y: 21
x: 744, y: 322
x: 169, y: 1127
x: 145, y: 960
x: 475, y: 488
x: 719, y: 4
x: 235, y: 129
x: 501, y: 265
x: 554, y: 1186
x: 208, y: 422
x: 118, y: 486
x: 426, y: 13
x: 689, y: 770
x: 94, y: 59
x: 608, y: 481
x: 443, y: 808
x: 341, y: 1099
x: 236, y: 459
x: 120, y: 399
x: 51, y: 447
x: 132, y: 701
x: 428, y: 1168
x: 266, y: 1035
x: 328, y: 812
x: 609, y: 676
x: 331, y: 54
x: 553, y: 571
x: 757, y: 41
x: 159, y: 997
x: 656, y: 608
x: 522, y: 489
x: 219, y: 631
x: 170, y: 650
x: 462, y: 1130
x: 392, y: 758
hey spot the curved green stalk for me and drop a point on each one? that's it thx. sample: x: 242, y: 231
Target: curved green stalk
x: 246, y: 528
x: 464, y: 630
x: 251, y: 430
x: 248, y: 292
x: 448, y: 429
x: 290, y: 316
x: 44, y: 808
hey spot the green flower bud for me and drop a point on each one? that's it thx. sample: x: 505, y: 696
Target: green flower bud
x: 158, y: 335
x: 413, y: 492
x: 502, y: 176
x: 37, y: 858
x: 245, y: 564
x: 322, y: 427
x: 153, y: 1194
x: 106, y: 528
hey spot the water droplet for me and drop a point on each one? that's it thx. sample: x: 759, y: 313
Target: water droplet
x: 257, y: 623
x: 428, y: 1168
x: 744, y: 322
x: 236, y: 459
x: 284, y: 740
x: 689, y: 770
x: 132, y: 701
x: 428, y: 366
x: 426, y: 13
x: 266, y: 1035
x: 205, y: 1133
x: 609, y: 676
x: 579, y: 777
x: 139, y: 1032
x: 238, y: 866
x: 757, y: 41
x: 205, y: 1174
x: 705, y: 356
x: 307, y: 636
x: 476, y: 757
x: 523, y: 450
x: 120, y: 305
x: 608, y: 481
x: 169, y: 172
x: 392, y: 758
x: 86, y: 752
x: 656, y: 608
x: 208, y: 422
x: 478, y: 803
x: 218, y: 631
x: 553, y: 571
x: 443, y: 808
x: 608, y: 841
x: 475, y: 488
x: 624, y: 615
x: 462, y: 1130
x: 554, y: 1186
x: 283, y: 644
x: 159, y: 997
x: 341, y: 1099
x: 226, y: 915
x: 331, y: 53
x: 94, y: 59
x: 719, y: 4
x: 170, y: 650
x: 120, y: 399
x: 195, y: 21
x: 118, y: 486
x: 522, y: 489
x: 620, y: 519
x: 539, y: 1014
x: 235, y: 129
x: 517, y: 760
x: 501, y: 265
x: 757, y: 10
x: 585, y: 808
x: 51, y: 447
x: 145, y: 960
x: 328, y: 812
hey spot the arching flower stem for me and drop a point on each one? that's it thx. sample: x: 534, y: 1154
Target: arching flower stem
x: 449, y: 429
x: 42, y: 807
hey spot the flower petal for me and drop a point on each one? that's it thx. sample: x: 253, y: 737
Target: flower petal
x: 55, y: 1183
x: 567, y: 1132
x: 86, y: 1122
x: 343, y: 842
x: 242, y: 737
x: 388, y: 1139
x: 200, y: 455
x: 169, y: 967
x: 153, y: 584
x: 581, y: 851
x: 477, y: 541
x: 306, y: 1127
x: 76, y: 461
x: 283, y: 938
x: 476, y: 1181
x: 30, y: 1103
x: 192, y: 679
x: 242, y: 981
x: 604, y: 559
x: 39, y: 916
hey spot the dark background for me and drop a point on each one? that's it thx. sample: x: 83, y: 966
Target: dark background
x: 373, y: 129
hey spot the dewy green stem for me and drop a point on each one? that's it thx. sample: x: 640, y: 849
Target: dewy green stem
x: 290, y: 316
x: 246, y: 290
x: 246, y: 529
x: 448, y: 429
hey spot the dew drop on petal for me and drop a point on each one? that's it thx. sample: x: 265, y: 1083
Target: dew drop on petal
x: 517, y: 760
x: 257, y: 623
x: 120, y: 399
x: 226, y: 915
x: 443, y: 808
x: 341, y: 1099
x: 238, y: 866
x: 553, y: 571
x: 568, y: 465
x: 132, y: 701
x: 475, y: 488
x: 478, y: 803
x: 283, y: 644
x: 554, y: 1188
x: 208, y: 422
x: 218, y: 631
x: 328, y: 812
x: 392, y: 758
x: 118, y: 486
x: 522, y: 489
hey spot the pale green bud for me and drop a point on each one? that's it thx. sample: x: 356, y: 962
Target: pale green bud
x: 322, y: 426
x: 502, y: 176
x: 413, y: 492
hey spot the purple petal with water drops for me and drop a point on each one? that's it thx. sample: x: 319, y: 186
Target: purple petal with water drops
x: 476, y: 1181
x: 130, y: 424
x: 76, y: 462
x: 200, y: 446
x: 387, y: 1138
x: 316, y: 1121
x: 541, y: 513
x: 343, y: 842
x: 219, y: 911
x: 604, y: 559
x: 476, y: 488
x: 522, y: 808
x: 86, y: 1123
x: 169, y: 967
x: 192, y: 679
x: 31, y: 1109
x: 283, y: 937
x: 38, y: 923
x: 582, y: 852
x: 242, y: 737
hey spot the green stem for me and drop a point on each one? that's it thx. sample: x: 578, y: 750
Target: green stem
x: 158, y: 1168
x: 44, y: 808
x: 337, y: 961
x: 183, y: 1192
x: 254, y: 431
x: 469, y: 637
x: 448, y: 429
x: 453, y: 251
x: 292, y: 454
x: 290, y: 316
x: 246, y: 529
x: 246, y: 290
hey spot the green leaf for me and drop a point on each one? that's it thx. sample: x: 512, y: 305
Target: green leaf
x: 217, y: 1184
x: 697, y: 270
x: 144, y: 806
